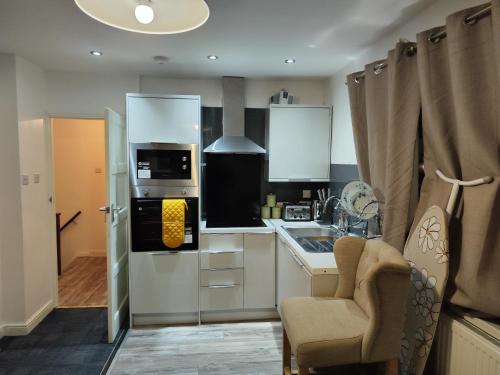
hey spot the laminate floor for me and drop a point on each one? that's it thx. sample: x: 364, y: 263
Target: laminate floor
x: 84, y: 283
x: 216, y: 349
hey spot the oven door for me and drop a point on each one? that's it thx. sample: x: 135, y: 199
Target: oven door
x: 146, y: 225
x: 163, y: 164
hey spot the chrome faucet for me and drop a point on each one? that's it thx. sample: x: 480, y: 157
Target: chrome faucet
x: 343, y: 224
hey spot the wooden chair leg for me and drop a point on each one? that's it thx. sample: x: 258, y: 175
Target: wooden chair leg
x: 391, y: 367
x: 303, y: 370
x: 287, y: 355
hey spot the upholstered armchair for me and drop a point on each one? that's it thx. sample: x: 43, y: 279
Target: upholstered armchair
x: 362, y: 323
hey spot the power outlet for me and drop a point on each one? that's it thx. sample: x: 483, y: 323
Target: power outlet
x: 306, y: 194
x: 25, y: 179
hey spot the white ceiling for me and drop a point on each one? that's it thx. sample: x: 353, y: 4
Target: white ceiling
x: 251, y: 37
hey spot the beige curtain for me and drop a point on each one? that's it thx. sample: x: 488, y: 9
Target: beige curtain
x: 459, y: 77
x: 385, y: 107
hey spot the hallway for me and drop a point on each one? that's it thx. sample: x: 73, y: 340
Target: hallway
x: 84, y: 283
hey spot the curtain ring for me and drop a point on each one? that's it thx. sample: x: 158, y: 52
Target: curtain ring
x: 411, y: 51
x: 434, y: 40
x: 356, y: 79
x: 469, y: 21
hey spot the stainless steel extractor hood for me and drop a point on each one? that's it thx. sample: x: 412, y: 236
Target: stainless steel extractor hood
x: 233, y: 140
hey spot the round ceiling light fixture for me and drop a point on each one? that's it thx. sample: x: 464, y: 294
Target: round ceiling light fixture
x: 212, y: 57
x: 148, y: 16
x: 290, y: 61
x: 96, y: 53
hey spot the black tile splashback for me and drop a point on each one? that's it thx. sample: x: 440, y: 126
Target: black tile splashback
x: 255, y: 129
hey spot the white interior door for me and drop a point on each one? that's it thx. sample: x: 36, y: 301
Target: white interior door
x: 116, y: 221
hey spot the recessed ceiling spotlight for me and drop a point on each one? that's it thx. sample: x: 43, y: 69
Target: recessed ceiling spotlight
x: 212, y: 57
x: 160, y: 59
x: 144, y: 13
x: 96, y: 53
x: 290, y: 61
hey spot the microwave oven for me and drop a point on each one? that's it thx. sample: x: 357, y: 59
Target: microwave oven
x: 163, y: 164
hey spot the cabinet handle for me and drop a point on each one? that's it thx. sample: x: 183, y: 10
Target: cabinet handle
x: 224, y: 251
x: 257, y: 233
x: 165, y: 253
x: 299, y: 179
x: 222, y: 286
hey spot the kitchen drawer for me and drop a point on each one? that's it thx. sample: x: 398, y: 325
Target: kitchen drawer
x: 221, y: 259
x: 221, y: 277
x: 221, y: 242
x: 227, y: 297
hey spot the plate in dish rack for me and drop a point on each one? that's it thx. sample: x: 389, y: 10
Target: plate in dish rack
x: 359, y: 200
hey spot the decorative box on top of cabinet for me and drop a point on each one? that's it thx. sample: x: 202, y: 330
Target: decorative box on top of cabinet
x: 299, y: 143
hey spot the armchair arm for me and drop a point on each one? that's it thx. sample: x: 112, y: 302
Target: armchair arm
x: 386, y: 287
x: 347, y: 252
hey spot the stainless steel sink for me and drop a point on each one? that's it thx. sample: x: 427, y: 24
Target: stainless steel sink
x: 311, y: 232
x: 314, y: 240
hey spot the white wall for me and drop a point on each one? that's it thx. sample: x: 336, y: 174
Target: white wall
x: 257, y: 91
x: 39, y: 270
x: 11, y: 255
x: 343, y: 151
x: 80, y: 185
x: 86, y: 94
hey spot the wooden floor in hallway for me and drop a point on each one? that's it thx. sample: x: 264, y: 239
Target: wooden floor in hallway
x: 84, y: 283
x: 215, y: 349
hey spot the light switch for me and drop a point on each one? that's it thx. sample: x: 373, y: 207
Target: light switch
x: 25, y: 179
x: 36, y: 178
x: 306, y: 194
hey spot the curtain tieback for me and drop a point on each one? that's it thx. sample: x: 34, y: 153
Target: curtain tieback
x: 456, y: 185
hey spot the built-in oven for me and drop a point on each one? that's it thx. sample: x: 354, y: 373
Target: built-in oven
x: 146, y: 218
x: 163, y: 164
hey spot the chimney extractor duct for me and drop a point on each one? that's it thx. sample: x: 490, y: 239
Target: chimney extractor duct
x: 233, y: 140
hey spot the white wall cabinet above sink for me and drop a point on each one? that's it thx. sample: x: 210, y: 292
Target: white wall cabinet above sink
x: 298, y: 142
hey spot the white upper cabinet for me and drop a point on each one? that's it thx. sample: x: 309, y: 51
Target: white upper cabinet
x: 163, y: 119
x: 299, y: 138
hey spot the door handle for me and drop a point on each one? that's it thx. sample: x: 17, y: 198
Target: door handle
x: 105, y: 209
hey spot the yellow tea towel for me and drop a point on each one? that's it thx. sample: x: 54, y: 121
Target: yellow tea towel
x: 173, y: 218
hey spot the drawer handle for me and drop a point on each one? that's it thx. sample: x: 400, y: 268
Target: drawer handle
x: 258, y: 233
x: 224, y: 251
x: 165, y: 253
x: 222, y: 286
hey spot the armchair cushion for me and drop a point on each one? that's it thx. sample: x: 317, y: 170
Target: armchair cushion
x: 324, y: 331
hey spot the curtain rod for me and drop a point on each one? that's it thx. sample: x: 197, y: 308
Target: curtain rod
x: 469, y: 20
x: 434, y: 38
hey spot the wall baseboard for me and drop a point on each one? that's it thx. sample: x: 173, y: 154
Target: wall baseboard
x: 24, y: 328
x: 92, y: 253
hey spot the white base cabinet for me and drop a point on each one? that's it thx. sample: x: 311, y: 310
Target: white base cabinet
x: 259, y: 271
x: 164, y: 283
x: 237, y: 272
x: 293, y: 279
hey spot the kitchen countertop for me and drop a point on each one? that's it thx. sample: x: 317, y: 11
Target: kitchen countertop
x: 269, y: 228
x: 316, y: 263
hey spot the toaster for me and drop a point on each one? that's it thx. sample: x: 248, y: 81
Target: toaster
x: 297, y: 212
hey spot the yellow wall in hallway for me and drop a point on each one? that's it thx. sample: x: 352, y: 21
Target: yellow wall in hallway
x: 80, y: 185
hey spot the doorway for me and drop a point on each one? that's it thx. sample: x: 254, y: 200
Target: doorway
x: 79, y: 178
